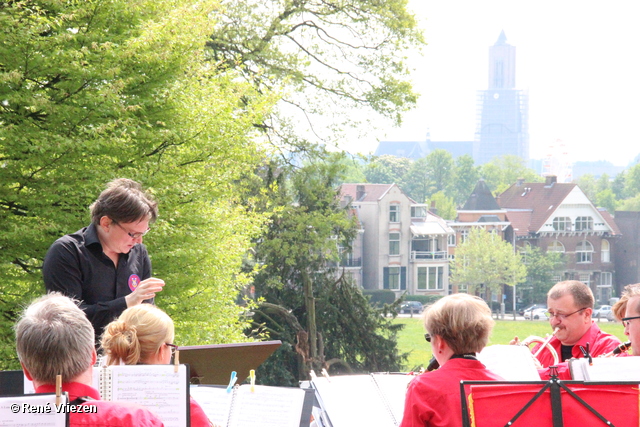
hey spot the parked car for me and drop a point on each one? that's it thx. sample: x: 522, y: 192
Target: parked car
x: 601, y: 312
x: 536, y: 314
x: 531, y: 307
x: 611, y: 317
x: 411, y: 307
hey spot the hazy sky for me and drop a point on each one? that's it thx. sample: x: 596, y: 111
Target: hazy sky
x: 579, y: 61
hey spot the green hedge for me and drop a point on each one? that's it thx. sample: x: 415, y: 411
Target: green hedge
x: 424, y: 299
x: 380, y: 296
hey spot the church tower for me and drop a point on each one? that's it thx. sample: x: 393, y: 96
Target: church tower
x: 502, y: 110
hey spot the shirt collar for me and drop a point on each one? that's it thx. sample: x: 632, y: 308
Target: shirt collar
x: 74, y: 389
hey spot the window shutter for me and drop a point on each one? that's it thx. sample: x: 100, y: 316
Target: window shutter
x: 403, y: 278
x: 385, y: 277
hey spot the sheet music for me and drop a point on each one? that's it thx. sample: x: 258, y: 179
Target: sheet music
x: 353, y: 400
x: 266, y: 407
x: 53, y: 419
x: 394, y: 390
x: 156, y: 387
x: 606, y: 369
x: 511, y: 362
x: 215, y: 402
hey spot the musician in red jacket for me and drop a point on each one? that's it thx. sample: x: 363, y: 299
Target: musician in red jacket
x: 458, y: 327
x: 570, y: 305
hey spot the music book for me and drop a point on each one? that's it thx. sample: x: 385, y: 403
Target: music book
x: 265, y: 406
x: 213, y: 363
x: 511, y: 362
x: 605, y: 369
x: 159, y: 388
x: 372, y: 400
x: 40, y: 418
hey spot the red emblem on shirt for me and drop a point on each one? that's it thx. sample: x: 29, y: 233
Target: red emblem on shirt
x: 134, y: 281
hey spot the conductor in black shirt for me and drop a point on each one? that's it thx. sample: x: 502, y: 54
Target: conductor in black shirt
x: 105, y: 265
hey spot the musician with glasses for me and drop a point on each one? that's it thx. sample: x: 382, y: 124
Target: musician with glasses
x: 105, y: 265
x: 627, y: 309
x: 143, y: 335
x: 458, y: 327
x: 570, y: 305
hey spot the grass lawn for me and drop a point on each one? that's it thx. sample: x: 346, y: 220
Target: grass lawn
x: 411, y: 338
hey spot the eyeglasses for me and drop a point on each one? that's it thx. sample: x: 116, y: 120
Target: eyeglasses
x: 562, y: 316
x: 625, y: 320
x: 132, y: 235
x: 173, y: 348
x: 427, y: 337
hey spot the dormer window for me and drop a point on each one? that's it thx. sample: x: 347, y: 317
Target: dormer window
x: 562, y: 223
x: 418, y: 211
x: 584, y: 223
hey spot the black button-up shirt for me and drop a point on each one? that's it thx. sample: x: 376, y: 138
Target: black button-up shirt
x: 76, y: 266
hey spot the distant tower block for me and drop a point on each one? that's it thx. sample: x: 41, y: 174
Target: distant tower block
x: 502, y: 123
x: 557, y: 162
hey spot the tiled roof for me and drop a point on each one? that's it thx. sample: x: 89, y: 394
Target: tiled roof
x: 372, y: 192
x: 539, y: 198
x: 610, y: 221
x: 481, y: 199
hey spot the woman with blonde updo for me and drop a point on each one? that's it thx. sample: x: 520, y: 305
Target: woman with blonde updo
x: 143, y: 335
x: 458, y: 326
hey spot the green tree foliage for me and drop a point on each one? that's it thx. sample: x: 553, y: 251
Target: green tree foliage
x: 486, y: 259
x: 387, y: 169
x: 588, y: 185
x: 428, y: 175
x: 465, y: 177
x: 541, y: 267
x: 96, y: 90
x: 503, y: 171
x: 324, y: 320
x: 445, y: 208
x: 632, y: 181
x: 333, y: 61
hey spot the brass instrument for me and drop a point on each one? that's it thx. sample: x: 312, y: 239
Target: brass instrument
x: 619, y: 349
x: 545, y: 344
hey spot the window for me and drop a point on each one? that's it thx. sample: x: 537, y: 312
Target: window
x: 451, y: 240
x: 606, y: 279
x: 605, y: 251
x: 394, y: 278
x: 464, y: 235
x: 418, y: 211
x: 394, y: 213
x: 584, y: 252
x: 584, y: 223
x: 562, y: 223
x: 585, y: 278
x: 555, y: 246
x: 394, y: 243
x: 431, y: 278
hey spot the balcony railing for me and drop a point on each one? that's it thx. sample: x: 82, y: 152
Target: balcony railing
x: 353, y: 262
x: 422, y: 255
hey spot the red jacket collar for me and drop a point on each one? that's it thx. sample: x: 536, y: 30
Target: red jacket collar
x: 75, y: 390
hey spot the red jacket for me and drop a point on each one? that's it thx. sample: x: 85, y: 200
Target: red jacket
x: 599, y: 343
x: 433, y: 398
x: 108, y: 414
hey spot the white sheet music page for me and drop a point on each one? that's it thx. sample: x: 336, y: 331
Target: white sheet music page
x: 608, y: 369
x: 30, y: 413
x: 266, y: 407
x: 511, y: 362
x: 215, y: 402
x: 353, y: 400
x: 156, y: 387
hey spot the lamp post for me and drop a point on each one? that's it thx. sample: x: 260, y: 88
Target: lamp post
x: 514, y: 283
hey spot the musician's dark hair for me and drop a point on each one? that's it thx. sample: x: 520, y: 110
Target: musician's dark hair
x: 463, y: 321
x: 124, y: 201
x: 581, y: 293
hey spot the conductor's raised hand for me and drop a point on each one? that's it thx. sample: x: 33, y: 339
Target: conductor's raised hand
x: 147, y: 289
x: 515, y: 341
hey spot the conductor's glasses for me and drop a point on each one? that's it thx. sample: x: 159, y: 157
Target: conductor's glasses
x: 562, y: 316
x: 625, y: 320
x: 132, y: 235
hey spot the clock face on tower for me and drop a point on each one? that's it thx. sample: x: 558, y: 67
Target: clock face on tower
x: 496, y: 95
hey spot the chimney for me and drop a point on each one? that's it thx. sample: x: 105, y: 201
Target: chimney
x: 359, y: 192
x: 519, y: 182
x: 550, y: 180
x: 433, y: 208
